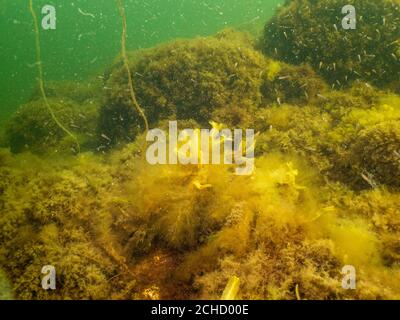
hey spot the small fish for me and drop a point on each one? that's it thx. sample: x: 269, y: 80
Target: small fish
x: 86, y: 13
x: 105, y: 137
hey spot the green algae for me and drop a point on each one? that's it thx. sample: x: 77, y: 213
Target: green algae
x: 324, y: 194
x: 5, y: 289
x: 31, y: 128
x: 368, y: 53
x: 185, y: 79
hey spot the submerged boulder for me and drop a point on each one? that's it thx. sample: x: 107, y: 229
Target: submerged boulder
x: 376, y: 154
x: 186, y: 79
x: 306, y: 31
x: 33, y: 129
x: 222, y: 78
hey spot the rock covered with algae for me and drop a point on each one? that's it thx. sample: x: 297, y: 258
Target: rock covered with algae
x: 32, y: 128
x: 321, y: 197
x: 186, y: 79
x: 311, y: 32
x: 114, y: 227
x: 376, y: 154
x: 216, y: 78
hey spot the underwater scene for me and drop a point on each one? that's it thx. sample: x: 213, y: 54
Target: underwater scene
x: 200, y: 149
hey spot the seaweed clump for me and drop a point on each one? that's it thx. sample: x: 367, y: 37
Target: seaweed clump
x: 116, y: 227
x: 284, y: 83
x: 376, y: 154
x: 5, y: 288
x: 186, y: 79
x: 348, y: 136
x: 221, y: 78
x: 51, y: 215
x: 31, y: 128
x: 369, y: 53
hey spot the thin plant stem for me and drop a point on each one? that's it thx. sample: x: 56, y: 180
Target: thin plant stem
x: 40, y: 77
x: 126, y: 64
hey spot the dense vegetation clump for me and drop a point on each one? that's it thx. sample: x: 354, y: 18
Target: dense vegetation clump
x: 311, y: 32
x: 324, y: 193
x: 376, y: 153
x: 32, y: 128
x: 184, y: 80
x: 219, y: 78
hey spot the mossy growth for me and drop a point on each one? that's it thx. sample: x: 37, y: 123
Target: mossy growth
x: 311, y: 32
x: 295, y: 130
x: 376, y: 155
x: 220, y: 78
x: 290, y: 84
x: 330, y: 133
x: 5, y: 288
x: 117, y: 228
x: 51, y: 215
x: 350, y: 148
x: 31, y: 128
x: 323, y: 194
x: 186, y: 79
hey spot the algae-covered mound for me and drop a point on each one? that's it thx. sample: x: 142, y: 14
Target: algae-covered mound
x: 381, y: 208
x: 348, y: 135
x: 33, y: 129
x: 115, y: 227
x: 376, y: 154
x: 219, y: 78
x: 324, y: 193
x: 185, y: 79
x: 53, y: 214
x: 311, y: 32
x: 284, y: 83
x: 364, y: 140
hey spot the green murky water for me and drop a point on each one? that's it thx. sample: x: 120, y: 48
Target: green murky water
x: 87, y: 37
